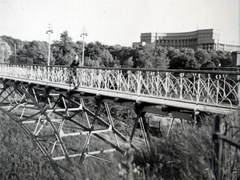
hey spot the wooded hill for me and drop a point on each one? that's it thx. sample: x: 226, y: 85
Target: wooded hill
x: 99, y: 55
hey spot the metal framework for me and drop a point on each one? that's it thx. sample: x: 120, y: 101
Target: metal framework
x: 65, y: 124
x: 56, y: 107
x: 214, y: 91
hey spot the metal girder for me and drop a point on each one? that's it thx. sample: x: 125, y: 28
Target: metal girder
x: 61, y: 124
x: 65, y: 123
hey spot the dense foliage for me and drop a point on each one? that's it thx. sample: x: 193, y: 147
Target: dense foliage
x: 96, y: 54
x: 5, y: 51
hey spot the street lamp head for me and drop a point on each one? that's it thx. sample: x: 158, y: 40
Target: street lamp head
x: 49, y: 31
x: 83, y: 34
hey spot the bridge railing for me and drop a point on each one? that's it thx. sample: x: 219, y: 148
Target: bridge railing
x: 217, y: 87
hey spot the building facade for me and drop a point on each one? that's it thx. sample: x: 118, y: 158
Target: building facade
x: 208, y: 39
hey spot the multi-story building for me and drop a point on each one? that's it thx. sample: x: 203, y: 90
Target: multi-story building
x: 208, y: 39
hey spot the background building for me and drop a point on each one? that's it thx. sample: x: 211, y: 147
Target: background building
x: 208, y: 39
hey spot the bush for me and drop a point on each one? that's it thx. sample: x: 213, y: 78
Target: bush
x: 185, y: 154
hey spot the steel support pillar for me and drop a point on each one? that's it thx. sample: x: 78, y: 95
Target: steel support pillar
x: 63, y: 124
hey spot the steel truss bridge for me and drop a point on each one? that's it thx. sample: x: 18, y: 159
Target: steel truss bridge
x: 54, y: 104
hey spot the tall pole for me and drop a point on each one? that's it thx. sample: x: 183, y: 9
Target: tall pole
x: 15, y: 53
x: 238, y: 78
x: 49, y: 31
x: 83, y: 35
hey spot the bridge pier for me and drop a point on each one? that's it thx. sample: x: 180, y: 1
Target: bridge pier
x: 138, y: 108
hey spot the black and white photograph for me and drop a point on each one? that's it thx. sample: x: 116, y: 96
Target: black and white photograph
x: 119, y: 90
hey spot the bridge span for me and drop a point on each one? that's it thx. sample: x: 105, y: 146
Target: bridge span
x: 56, y: 103
x: 199, y: 90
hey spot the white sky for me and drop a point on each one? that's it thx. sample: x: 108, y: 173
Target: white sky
x: 116, y: 21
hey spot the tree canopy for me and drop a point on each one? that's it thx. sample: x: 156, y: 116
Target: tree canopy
x: 183, y: 58
x: 96, y: 54
x: 63, y: 50
x: 5, y: 51
x: 151, y: 56
x: 37, y: 51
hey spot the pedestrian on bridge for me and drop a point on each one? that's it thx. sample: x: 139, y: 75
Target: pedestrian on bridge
x: 73, y: 73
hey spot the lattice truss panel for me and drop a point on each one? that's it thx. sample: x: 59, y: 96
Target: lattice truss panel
x: 63, y: 125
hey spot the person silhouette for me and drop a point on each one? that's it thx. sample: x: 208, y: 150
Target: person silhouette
x: 73, y: 66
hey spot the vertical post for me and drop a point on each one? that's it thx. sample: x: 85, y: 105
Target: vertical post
x: 208, y: 88
x: 167, y: 84
x: 83, y: 35
x: 139, y: 86
x: 238, y: 110
x: 49, y: 31
x: 198, y: 88
x: 138, y: 108
x: 237, y: 59
x: 181, y: 85
x: 217, y: 145
x: 14, y: 53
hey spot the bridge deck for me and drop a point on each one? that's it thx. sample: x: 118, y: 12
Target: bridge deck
x: 109, y: 94
x: 45, y: 102
x: 195, y: 90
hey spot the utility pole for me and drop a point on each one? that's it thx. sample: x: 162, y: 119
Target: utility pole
x: 15, y: 53
x: 83, y: 35
x: 49, y: 31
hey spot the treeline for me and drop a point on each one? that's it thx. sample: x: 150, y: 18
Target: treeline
x: 96, y: 54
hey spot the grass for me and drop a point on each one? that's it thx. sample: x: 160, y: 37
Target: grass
x: 185, y: 154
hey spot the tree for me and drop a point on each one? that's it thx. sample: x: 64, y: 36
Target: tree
x: 65, y: 43
x: 182, y: 58
x: 214, y: 57
x: 128, y: 63
x: 151, y: 56
x: 15, y: 45
x: 35, y: 52
x: 173, y: 53
x: 126, y: 57
x: 145, y: 57
x: 115, y: 51
x: 202, y: 57
x: 106, y: 59
x: 161, y: 61
x: 99, y: 55
x: 5, y: 51
x: 93, y: 50
x: 64, y: 50
x: 225, y: 58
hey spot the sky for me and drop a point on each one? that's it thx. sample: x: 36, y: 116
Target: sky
x: 114, y: 22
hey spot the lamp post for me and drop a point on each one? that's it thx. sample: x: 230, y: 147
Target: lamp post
x: 49, y: 31
x: 83, y: 35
